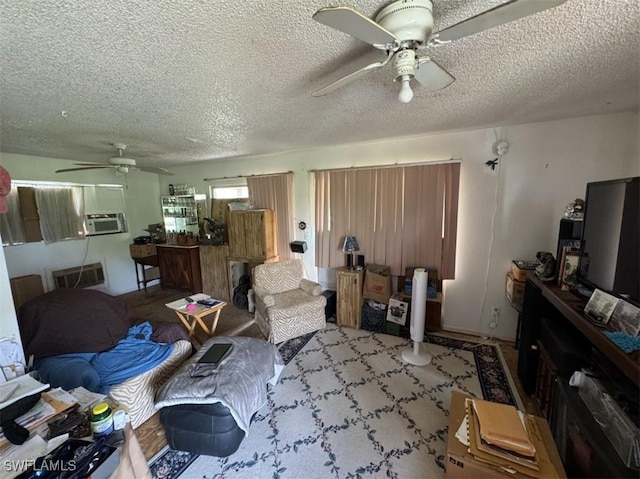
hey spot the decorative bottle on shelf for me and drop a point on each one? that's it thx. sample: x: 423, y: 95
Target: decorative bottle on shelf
x: 172, y: 191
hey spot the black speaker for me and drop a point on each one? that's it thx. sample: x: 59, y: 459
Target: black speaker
x: 298, y: 246
x: 361, y: 260
x: 570, y: 231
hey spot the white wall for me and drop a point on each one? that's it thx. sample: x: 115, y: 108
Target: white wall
x: 8, y: 321
x: 142, y: 200
x: 547, y: 167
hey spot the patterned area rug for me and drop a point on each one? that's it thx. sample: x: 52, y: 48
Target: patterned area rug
x: 347, y: 406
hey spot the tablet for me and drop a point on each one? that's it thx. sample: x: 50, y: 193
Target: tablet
x: 216, y: 353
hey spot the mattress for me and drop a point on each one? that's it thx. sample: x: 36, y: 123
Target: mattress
x: 137, y: 394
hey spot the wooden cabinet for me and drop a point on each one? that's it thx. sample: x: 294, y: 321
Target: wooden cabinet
x: 213, y: 263
x: 545, y: 391
x: 252, y: 234
x: 180, y: 267
x: 349, y: 297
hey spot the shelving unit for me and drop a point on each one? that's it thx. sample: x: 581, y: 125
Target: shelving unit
x: 182, y: 213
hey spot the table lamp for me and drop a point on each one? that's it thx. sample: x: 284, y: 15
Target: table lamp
x: 350, y: 246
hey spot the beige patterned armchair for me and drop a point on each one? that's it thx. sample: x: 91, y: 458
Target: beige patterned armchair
x: 287, y: 305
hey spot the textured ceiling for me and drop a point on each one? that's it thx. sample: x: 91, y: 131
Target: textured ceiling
x: 183, y: 81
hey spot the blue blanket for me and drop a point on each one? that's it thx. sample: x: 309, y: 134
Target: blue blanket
x: 97, y: 372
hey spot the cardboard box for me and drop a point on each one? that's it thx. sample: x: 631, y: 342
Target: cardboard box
x: 515, y: 289
x: 377, y: 283
x: 521, y: 269
x: 24, y: 288
x: 142, y: 250
x: 460, y: 464
x: 398, y: 310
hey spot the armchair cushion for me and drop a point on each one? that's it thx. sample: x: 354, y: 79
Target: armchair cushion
x: 311, y: 287
x: 295, y: 303
x: 279, y: 277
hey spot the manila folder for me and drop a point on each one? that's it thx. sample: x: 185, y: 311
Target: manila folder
x: 500, y: 424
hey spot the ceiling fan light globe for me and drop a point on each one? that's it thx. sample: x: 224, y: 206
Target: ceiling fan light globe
x: 409, y: 20
x: 406, y: 93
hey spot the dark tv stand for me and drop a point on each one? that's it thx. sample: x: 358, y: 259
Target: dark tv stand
x: 557, y: 338
x: 546, y: 300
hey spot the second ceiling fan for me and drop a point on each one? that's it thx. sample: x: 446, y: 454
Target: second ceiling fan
x: 404, y: 26
x: 119, y: 163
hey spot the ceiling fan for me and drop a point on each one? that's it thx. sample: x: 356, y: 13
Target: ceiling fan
x: 404, y: 26
x: 120, y: 163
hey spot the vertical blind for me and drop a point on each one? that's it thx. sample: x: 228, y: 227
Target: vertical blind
x: 401, y: 216
x: 60, y: 215
x: 61, y: 211
x: 11, y: 227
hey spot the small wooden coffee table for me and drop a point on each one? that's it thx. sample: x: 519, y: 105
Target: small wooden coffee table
x: 194, y: 317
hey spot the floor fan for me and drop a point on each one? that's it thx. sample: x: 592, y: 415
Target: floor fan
x: 417, y: 355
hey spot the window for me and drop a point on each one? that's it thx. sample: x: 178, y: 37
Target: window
x: 401, y: 216
x: 230, y: 192
x: 221, y: 196
x: 46, y: 212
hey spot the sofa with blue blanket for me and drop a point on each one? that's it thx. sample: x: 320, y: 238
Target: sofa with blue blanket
x: 88, y: 338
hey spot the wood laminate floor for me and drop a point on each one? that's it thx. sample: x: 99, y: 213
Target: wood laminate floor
x: 239, y: 322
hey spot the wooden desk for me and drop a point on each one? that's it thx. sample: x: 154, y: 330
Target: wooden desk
x: 148, y: 274
x: 196, y: 317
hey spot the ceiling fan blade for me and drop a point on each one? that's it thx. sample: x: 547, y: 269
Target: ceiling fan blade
x: 508, y: 12
x: 352, y: 77
x: 154, y: 169
x: 431, y: 75
x: 90, y: 164
x: 85, y: 168
x: 354, y: 23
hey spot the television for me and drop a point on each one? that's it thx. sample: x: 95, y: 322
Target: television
x: 610, y: 246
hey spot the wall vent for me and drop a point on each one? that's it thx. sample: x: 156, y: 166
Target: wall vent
x: 92, y: 275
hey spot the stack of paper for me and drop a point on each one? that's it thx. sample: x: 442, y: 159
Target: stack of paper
x: 500, y: 434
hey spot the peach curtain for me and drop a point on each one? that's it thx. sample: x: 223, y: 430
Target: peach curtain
x: 275, y: 192
x: 401, y: 216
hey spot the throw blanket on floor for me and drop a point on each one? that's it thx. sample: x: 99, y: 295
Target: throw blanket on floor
x: 239, y: 383
x: 133, y: 355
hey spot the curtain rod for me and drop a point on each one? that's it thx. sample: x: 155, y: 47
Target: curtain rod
x: 395, y: 165
x: 247, y: 176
